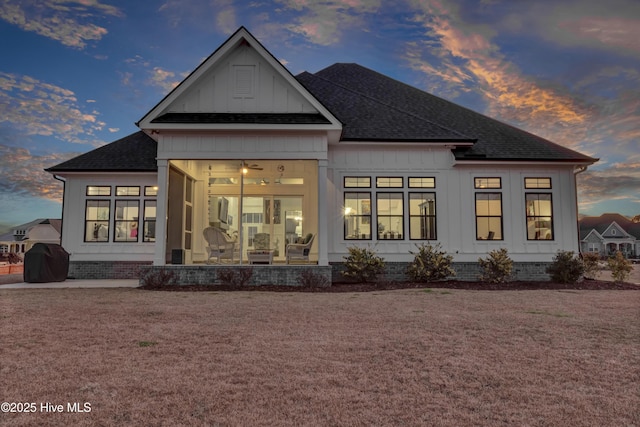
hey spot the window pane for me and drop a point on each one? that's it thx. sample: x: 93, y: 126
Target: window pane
x: 97, y: 221
x: 357, y: 181
x: 539, y: 216
x: 93, y: 190
x: 126, y: 221
x: 149, y: 221
x: 357, y: 216
x: 488, y: 183
x: 422, y: 216
x: 537, y: 183
x: 390, y: 220
x: 389, y: 182
x: 488, y: 216
x: 127, y: 191
x: 151, y: 191
x: 422, y: 182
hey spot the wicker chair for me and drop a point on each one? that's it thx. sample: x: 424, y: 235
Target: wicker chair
x: 219, y: 244
x: 300, y: 251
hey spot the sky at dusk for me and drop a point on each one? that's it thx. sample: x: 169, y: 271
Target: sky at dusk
x: 78, y: 74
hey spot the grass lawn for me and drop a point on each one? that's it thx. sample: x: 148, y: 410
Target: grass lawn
x: 438, y: 357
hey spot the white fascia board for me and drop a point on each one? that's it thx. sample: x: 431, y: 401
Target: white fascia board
x: 215, y: 57
x: 185, y: 127
x: 448, y: 145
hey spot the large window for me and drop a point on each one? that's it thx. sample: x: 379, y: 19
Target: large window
x: 488, y: 216
x: 97, y: 221
x: 357, y: 216
x: 126, y: 221
x: 539, y: 216
x: 390, y: 210
x: 422, y: 216
x: 149, y: 221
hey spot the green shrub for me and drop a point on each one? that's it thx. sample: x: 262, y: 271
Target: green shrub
x: 497, y: 267
x: 591, y: 267
x: 566, y: 268
x: 620, y: 267
x: 363, y: 264
x: 430, y: 263
x: 235, y: 276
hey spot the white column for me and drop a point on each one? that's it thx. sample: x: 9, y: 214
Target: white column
x: 159, y: 257
x: 323, y: 227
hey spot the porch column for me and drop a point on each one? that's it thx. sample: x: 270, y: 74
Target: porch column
x: 323, y: 229
x: 159, y: 257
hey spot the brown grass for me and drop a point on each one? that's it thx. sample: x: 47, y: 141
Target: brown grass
x: 405, y: 357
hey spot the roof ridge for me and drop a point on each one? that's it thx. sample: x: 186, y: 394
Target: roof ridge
x: 376, y: 100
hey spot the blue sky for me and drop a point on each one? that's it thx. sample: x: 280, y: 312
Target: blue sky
x: 78, y: 74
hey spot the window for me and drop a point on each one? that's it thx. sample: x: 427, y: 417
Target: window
x: 96, y: 228
x: 422, y: 216
x: 539, y: 216
x: 357, y: 216
x: 94, y: 190
x: 151, y: 191
x: 422, y: 182
x: 126, y: 221
x: 390, y: 210
x: 357, y: 182
x: 537, y: 183
x: 127, y: 191
x: 482, y: 183
x: 149, y: 227
x: 389, y: 182
x: 488, y: 216
x: 252, y: 218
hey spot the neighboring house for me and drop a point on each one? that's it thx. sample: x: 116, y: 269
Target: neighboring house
x: 347, y: 154
x: 22, y: 238
x: 608, y: 233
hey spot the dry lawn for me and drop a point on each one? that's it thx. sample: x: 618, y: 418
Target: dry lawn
x: 406, y: 357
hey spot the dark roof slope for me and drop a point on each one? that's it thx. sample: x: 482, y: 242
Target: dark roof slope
x: 602, y: 222
x: 375, y: 107
x: 134, y: 153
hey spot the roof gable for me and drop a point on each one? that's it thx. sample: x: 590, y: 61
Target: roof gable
x: 240, y: 83
x: 605, y: 221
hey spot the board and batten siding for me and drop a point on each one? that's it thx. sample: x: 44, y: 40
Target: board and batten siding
x: 455, y: 202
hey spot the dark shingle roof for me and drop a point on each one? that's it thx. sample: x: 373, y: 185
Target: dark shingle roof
x: 602, y: 222
x: 134, y: 153
x: 248, y: 118
x: 375, y: 107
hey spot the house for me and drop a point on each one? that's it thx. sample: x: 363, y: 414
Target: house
x: 22, y: 238
x: 608, y: 233
x: 345, y: 155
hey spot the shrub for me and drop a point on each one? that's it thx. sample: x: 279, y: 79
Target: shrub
x: 430, y: 263
x: 363, y: 264
x: 566, y: 268
x: 234, y: 276
x: 497, y: 267
x: 154, y: 279
x: 591, y: 268
x: 620, y: 267
x: 309, y: 279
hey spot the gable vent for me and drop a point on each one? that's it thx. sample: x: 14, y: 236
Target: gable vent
x: 244, y: 78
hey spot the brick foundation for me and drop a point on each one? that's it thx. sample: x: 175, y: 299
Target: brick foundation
x: 91, y: 270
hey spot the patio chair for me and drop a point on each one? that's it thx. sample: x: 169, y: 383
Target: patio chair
x: 219, y: 244
x: 300, y: 251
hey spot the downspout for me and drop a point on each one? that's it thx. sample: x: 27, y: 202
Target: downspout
x: 578, y: 170
x: 64, y: 185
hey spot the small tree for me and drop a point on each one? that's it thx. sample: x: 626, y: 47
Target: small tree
x: 430, y: 263
x: 363, y: 264
x: 620, y: 267
x: 497, y: 267
x: 566, y: 268
x: 591, y: 268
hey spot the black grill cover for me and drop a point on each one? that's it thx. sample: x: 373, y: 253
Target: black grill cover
x: 46, y: 262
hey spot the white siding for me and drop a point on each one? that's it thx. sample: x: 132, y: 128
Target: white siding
x: 455, y: 202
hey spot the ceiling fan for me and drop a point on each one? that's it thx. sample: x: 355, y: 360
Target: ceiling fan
x: 252, y: 166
